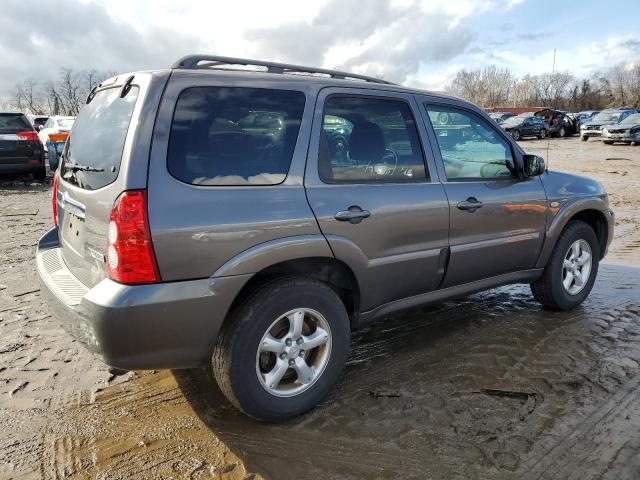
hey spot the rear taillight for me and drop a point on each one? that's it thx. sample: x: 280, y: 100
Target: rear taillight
x: 32, y: 136
x: 130, y: 257
x: 54, y: 198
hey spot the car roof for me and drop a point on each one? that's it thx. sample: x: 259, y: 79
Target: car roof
x: 11, y: 112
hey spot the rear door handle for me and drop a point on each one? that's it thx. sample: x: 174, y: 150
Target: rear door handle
x: 354, y: 215
x: 471, y: 204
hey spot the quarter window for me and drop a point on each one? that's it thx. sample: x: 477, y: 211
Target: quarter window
x: 470, y: 148
x: 366, y: 139
x: 233, y: 135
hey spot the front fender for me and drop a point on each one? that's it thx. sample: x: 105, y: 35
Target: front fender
x: 561, y: 215
x: 275, y: 251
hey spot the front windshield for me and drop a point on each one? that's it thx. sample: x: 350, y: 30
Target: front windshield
x: 66, y: 122
x: 635, y: 118
x: 607, y: 117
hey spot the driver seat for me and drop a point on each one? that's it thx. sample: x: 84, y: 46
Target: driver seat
x: 366, y: 143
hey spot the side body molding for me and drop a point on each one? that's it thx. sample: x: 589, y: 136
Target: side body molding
x: 560, y: 216
x: 275, y: 251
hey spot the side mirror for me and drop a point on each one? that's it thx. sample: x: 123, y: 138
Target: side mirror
x: 533, y: 165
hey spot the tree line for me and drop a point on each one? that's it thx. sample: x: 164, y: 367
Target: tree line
x: 63, y: 96
x: 492, y: 87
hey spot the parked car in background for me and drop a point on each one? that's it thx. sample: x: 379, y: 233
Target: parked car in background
x: 257, y: 251
x: 525, y: 125
x: 626, y: 131
x: 610, y: 116
x: 55, y: 124
x: 560, y: 124
x: 500, y: 117
x: 20, y: 148
x: 37, y: 121
x: 584, y: 116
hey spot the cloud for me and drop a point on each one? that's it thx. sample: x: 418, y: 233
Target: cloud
x: 375, y: 38
x: 37, y: 42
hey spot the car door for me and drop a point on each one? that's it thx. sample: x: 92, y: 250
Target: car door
x: 377, y: 196
x: 497, y: 216
x: 527, y: 127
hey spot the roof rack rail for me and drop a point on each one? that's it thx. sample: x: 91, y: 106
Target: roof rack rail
x: 193, y: 62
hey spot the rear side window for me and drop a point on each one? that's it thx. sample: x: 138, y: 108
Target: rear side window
x: 369, y: 140
x: 94, y: 148
x: 14, y: 123
x: 234, y: 135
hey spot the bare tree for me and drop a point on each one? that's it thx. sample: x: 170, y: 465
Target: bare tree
x: 489, y: 87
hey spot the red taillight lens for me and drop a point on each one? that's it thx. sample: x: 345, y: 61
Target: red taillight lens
x: 33, y: 136
x: 130, y: 257
x: 54, y: 198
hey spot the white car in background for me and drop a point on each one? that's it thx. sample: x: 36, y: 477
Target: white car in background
x: 55, y: 124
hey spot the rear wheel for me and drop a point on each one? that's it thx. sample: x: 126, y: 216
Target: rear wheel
x: 281, y: 351
x: 571, y: 270
x: 562, y: 132
x: 584, y: 138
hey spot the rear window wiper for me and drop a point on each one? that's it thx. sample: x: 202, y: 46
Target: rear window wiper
x: 82, y: 168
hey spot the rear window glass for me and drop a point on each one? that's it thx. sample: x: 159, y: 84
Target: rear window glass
x: 234, y: 135
x: 94, y: 148
x: 13, y: 123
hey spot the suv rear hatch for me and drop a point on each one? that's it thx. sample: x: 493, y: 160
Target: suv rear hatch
x: 90, y: 178
x: 19, y: 144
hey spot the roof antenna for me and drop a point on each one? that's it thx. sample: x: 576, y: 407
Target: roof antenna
x: 553, y: 71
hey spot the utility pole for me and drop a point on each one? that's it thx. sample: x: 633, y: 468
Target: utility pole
x: 553, y: 68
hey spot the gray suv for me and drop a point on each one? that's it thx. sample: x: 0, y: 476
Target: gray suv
x: 202, y: 217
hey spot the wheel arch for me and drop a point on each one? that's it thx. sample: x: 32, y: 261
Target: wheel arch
x: 592, y: 211
x: 329, y: 270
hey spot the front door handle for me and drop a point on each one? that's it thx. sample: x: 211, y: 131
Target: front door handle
x: 471, y: 204
x: 354, y: 215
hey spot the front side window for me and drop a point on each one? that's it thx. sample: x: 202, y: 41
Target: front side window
x: 366, y: 139
x: 470, y: 148
x: 234, y: 135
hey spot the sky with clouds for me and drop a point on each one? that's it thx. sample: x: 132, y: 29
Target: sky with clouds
x: 420, y: 43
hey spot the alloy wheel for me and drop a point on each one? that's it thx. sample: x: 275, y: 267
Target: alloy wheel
x: 576, y: 267
x: 293, y: 352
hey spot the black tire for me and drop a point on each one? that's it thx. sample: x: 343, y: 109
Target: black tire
x: 234, y: 356
x: 548, y: 289
x: 542, y: 134
x: 40, y: 174
x: 583, y: 138
x: 607, y: 142
x: 515, y: 134
x: 562, y: 132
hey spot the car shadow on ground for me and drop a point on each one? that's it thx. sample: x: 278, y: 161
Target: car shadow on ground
x: 471, y: 387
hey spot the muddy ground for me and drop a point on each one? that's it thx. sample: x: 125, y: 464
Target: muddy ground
x: 488, y: 387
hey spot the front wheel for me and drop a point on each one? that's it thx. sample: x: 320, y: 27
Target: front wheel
x: 282, y: 349
x: 607, y: 142
x: 515, y: 134
x: 543, y: 134
x: 571, y: 270
x: 584, y: 138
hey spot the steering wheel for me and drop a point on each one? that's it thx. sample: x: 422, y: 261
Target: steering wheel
x: 494, y: 170
x: 384, y: 168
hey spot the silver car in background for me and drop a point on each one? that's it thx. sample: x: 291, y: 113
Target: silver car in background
x: 627, y: 131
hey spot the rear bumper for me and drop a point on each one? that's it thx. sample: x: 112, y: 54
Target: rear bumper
x: 20, y: 167
x: 165, y: 325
